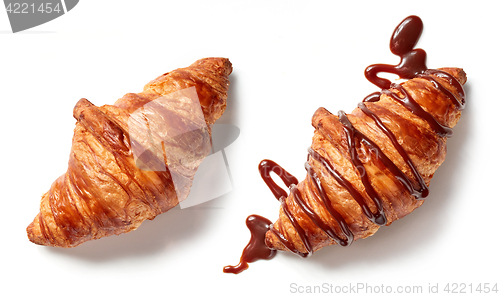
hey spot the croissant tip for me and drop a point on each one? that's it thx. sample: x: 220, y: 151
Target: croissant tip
x: 30, y: 231
x: 221, y: 65
x: 267, y: 240
x: 458, y: 73
x: 318, y: 115
x: 80, y: 106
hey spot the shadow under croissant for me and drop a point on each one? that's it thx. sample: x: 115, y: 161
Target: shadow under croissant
x: 158, y: 236
x: 404, y: 236
x: 230, y: 115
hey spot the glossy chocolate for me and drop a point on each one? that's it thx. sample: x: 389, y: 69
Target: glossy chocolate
x: 403, y: 40
x: 459, y: 103
x: 420, y: 193
x: 256, y: 249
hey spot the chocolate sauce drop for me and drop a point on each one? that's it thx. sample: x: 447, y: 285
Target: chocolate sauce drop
x: 412, y: 62
x: 256, y: 249
x: 412, y: 65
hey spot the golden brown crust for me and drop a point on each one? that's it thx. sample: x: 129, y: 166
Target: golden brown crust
x: 424, y: 147
x: 104, y: 192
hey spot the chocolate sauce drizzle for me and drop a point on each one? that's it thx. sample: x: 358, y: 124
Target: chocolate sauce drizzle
x: 291, y: 182
x: 418, y: 193
x: 412, y: 65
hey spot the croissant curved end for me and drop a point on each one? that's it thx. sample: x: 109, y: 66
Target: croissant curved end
x: 457, y: 73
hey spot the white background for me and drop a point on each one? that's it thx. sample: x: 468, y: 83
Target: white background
x: 289, y: 58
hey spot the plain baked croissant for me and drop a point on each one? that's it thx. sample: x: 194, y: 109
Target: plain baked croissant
x: 110, y: 189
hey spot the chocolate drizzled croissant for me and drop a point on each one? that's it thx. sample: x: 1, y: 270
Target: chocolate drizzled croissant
x: 371, y: 167
x: 108, y: 189
x: 368, y: 168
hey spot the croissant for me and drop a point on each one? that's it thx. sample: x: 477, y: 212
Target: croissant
x: 133, y: 160
x: 368, y: 168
